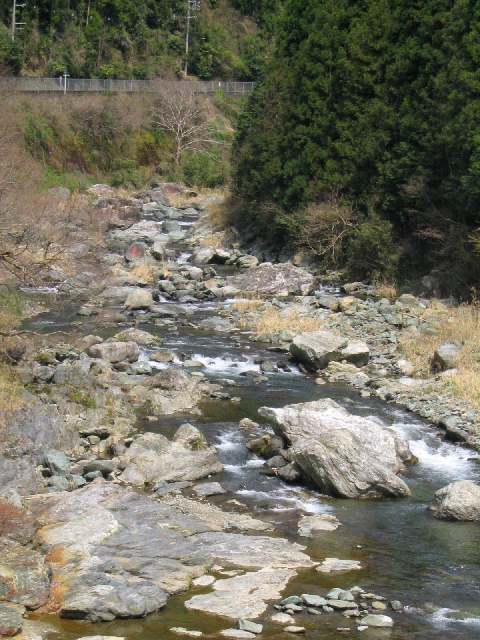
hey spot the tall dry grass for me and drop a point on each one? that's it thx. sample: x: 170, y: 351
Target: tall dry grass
x: 460, y: 325
x: 266, y: 321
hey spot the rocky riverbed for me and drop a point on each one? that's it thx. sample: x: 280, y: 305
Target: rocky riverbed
x: 165, y: 466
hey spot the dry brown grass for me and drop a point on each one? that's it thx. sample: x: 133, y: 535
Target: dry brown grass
x: 246, y: 305
x: 10, y: 393
x: 460, y: 325
x: 271, y: 321
x: 386, y: 290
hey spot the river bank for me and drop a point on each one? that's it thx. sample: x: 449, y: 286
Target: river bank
x: 150, y: 388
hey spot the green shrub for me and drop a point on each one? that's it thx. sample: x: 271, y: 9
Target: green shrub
x: 202, y: 169
x: 371, y: 252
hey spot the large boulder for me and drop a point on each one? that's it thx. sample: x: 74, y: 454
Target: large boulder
x: 446, y: 357
x: 457, y: 501
x: 274, y: 280
x: 115, y: 351
x: 342, y: 454
x: 153, y: 458
x: 316, y: 349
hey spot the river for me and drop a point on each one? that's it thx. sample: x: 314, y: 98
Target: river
x: 431, y: 566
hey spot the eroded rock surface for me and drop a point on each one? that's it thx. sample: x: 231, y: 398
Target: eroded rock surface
x: 274, y: 279
x: 116, y: 553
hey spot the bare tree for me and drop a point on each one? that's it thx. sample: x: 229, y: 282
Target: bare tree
x: 33, y: 225
x: 179, y: 113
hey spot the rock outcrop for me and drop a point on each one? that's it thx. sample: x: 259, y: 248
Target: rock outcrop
x: 116, y: 553
x: 342, y: 454
x: 457, y: 501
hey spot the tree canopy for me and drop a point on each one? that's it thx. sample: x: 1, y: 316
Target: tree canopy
x: 377, y: 102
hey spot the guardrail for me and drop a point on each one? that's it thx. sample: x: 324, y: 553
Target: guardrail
x: 97, y: 85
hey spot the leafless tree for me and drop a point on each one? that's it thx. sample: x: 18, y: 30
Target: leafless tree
x: 179, y: 113
x: 33, y: 225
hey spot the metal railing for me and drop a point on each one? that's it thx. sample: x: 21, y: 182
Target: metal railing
x: 97, y: 85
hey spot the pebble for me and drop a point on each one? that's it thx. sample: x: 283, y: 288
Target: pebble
x: 237, y: 634
x: 282, y: 618
x: 186, y: 632
x: 313, y: 600
x: 248, y: 625
x: 376, y: 620
x: 203, y: 581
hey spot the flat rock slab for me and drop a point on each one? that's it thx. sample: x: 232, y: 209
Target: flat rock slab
x: 115, y: 553
x: 237, y: 634
x: 243, y: 596
x: 209, y: 489
x: 334, y: 565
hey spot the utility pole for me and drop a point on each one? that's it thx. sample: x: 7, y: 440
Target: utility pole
x: 193, y: 6
x: 15, y: 24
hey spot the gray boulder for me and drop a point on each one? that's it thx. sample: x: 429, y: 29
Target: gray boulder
x: 457, y: 501
x: 342, y: 454
x: 115, y: 351
x: 316, y: 349
x: 446, y: 357
x: 153, y: 458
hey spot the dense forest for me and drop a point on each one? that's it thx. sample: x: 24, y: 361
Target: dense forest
x: 363, y: 139
x: 135, y: 38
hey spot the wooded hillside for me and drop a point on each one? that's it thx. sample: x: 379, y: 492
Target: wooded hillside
x: 367, y: 127
x: 133, y: 38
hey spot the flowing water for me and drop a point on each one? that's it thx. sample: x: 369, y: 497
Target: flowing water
x: 431, y: 566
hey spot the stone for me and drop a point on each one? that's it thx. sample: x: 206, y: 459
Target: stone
x: 11, y: 619
x: 312, y: 600
x: 244, y: 596
x: 378, y: 606
x: 334, y: 565
x: 135, y: 251
x: 203, y: 581
x: 139, y: 299
x: 274, y: 279
x: 316, y: 349
x: 377, y: 620
x: 56, y: 461
x: 282, y: 618
x: 115, y: 351
x: 294, y: 629
x: 291, y: 600
x: 102, y: 638
x: 341, y: 604
x: 209, y: 489
x: 457, y: 501
x: 446, y: 356
x: 248, y: 625
x: 237, y: 633
x: 342, y: 454
x: 340, y: 594
x: 181, y: 631
x: 247, y: 262
x: 153, y: 458
x: 143, y: 338
x: 308, y: 526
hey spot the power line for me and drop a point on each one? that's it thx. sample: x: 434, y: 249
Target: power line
x: 193, y: 7
x: 16, y: 24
